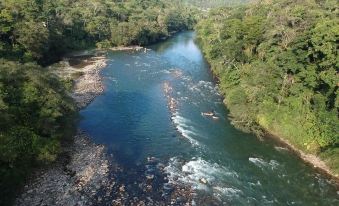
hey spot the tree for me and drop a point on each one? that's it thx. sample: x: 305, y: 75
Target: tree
x: 33, y: 37
x: 278, y: 65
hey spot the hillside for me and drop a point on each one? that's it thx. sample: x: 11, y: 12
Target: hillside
x: 277, y: 62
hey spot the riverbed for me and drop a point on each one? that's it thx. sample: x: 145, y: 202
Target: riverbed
x: 150, y: 119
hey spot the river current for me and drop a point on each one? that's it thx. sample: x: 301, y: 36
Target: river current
x: 151, y: 111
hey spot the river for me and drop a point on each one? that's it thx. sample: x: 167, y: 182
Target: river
x: 150, y: 117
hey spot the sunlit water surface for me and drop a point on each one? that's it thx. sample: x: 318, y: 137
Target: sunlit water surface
x: 152, y: 107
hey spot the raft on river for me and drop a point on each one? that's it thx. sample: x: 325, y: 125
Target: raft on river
x: 210, y: 114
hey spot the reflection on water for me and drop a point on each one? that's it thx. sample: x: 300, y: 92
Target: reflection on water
x: 151, y: 111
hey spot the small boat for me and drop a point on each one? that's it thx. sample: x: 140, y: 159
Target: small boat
x: 210, y: 114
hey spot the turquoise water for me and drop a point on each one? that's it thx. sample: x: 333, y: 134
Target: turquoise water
x: 152, y: 107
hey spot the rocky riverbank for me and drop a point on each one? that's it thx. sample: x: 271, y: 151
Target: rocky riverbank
x: 127, y: 48
x: 84, y: 71
x: 89, y: 85
x: 75, y: 179
x: 82, y: 169
x: 311, y: 159
x: 85, y: 174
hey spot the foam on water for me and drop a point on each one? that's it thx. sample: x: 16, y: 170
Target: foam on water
x: 181, y: 120
x: 272, y: 164
x: 165, y: 71
x: 200, y: 92
x: 112, y: 79
x: 281, y: 149
x: 186, y: 130
x: 204, y: 176
x: 146, y: 121
x: 228, y: 191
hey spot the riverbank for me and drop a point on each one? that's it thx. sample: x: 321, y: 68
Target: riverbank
x: 277, y: 85
x: 126, y: 48
x: 85, y: 174
x: 85, y: 75
x: 82, y: 168
x: 311, y: 159
x: 80, y: 172
x: 83, y: 69
x: 314, y: 160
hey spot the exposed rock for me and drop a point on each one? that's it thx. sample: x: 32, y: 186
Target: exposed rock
x: 87, y: 175
x: 57, y: 187
x: 76, y: 179
x: 122, y: 188
x: 86, y: 75
x: 127, y: 48
x: 203, y: 181
x: 89, y: 85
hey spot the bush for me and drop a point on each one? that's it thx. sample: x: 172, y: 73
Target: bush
x: 35, y: 114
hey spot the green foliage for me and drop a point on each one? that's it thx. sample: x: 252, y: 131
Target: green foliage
x: 44, y: 30
x: 33, y: 37
x: 35, y: 114
x: 278, y: 65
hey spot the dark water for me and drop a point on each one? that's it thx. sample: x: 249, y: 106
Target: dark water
x: 134, y: 119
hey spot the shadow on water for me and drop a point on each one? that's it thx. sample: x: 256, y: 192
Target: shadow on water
x: 163, y: 46
x: 115, y: 127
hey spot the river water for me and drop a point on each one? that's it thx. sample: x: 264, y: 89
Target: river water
x: 151, y: 112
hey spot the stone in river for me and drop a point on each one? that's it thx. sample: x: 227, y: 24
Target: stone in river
x: 203, y: 181
x: 122, y: 188
x: 149, y: 177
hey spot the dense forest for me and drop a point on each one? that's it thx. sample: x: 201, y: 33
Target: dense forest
x: 44, y: 30
x: 36, y: 110
x: 277, y: 61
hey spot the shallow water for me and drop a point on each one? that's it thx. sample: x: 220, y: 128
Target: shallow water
x: 152, y: 107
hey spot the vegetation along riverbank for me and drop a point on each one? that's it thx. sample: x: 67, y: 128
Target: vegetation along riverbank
x: 277, y: 62
x: 37, y: 111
